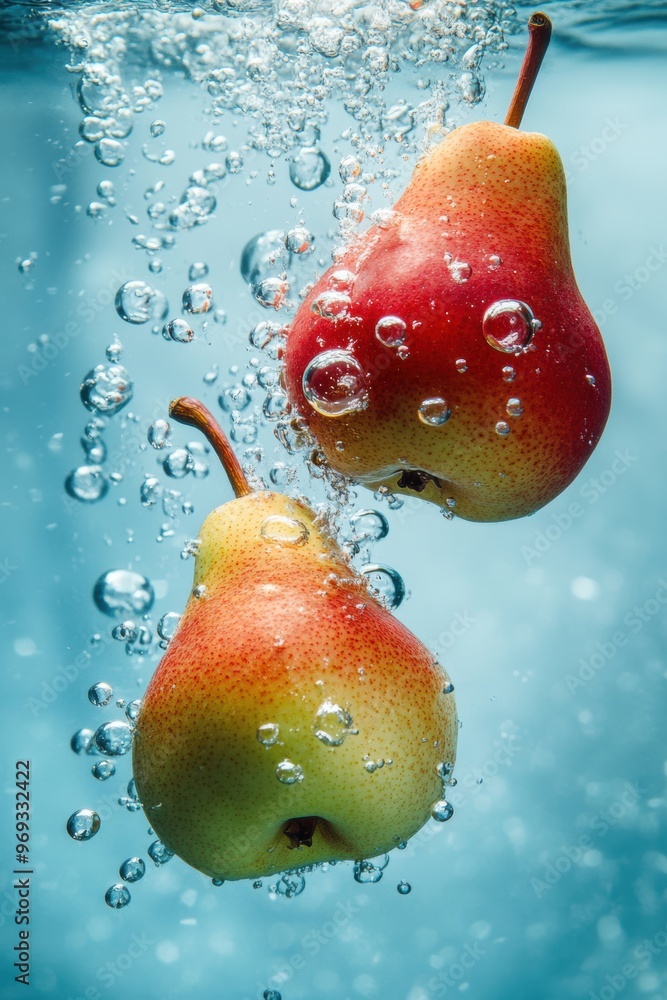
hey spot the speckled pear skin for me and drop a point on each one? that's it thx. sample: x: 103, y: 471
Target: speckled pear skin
x: 486, y: 191
x: 282, y: 628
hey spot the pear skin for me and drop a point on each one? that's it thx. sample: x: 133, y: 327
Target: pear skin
x: 482, y: 222
x: 280, y: 631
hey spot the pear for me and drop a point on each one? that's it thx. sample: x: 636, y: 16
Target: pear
x: 448, y: 354
x: 292, y: 719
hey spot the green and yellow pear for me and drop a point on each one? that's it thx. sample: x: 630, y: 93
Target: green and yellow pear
x: 292, y: 719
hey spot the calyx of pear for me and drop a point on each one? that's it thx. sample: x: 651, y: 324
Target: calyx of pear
x: 292, y: 719
x: 448, y: 354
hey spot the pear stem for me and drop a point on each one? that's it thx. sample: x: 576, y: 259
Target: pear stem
x: 192, y: 412
x: 539, y: 27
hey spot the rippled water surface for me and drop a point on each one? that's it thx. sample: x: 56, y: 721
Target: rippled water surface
x: 173, y: 178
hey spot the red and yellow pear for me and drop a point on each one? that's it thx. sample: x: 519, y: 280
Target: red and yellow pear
x: 292, y: 719
x: 448, y: 354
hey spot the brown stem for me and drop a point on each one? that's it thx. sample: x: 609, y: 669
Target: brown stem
x: 539, y: 27
x: 190, y: 411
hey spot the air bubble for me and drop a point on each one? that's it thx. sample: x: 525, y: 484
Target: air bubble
x: 150, y: 491
x: 502, y: 428
x: 132, y: 869
x: 390, y: 331
x: 404, y: 888
x: 333, y: 384
x: 509, y: 325
x: 167, y: 625
x: 117, y: 896
x: 159, y: 853
x: 461, y: 365
x: 87, y: 484
x: 331, y: 305
x: 385, y: 583
x: 100, y: 694
x: 178, y: 463
x: 106, y: 389
x: 103, y: 770
x: 434, y: 412
x: 309, y: 169
x: 138, y: 302
x: 113, y: 739
x: 83, y: 824
x: 366, y: 873
x: 442, y: 811
x: 268, y: 734
x: 286, y: 530
x: 333, y: 724
x: 459, y: 270
x: 197, y: 298
x: 288, y: 773
x: 110, y: 152
x: 179, y: 330
x: 369, y: 525
x: 122, y: 591
x: 514, y: 407
x: 158, y: 433
x: 299, y: 240
x: 272, y: 292
x: 508, y: 374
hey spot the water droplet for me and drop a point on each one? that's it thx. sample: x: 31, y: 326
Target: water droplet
x: 459, y: 269
x: 178, y: 463
x: 366, y: 873
x: 309, y: 169
x: 285, y: 530
x: 333, y: 724
x: 103, y: 770
x: 442, y: 811
x: 114, y: 739
x: 299, y: 240
x: 83, y: 824
x: 106, y: 389
x: 197, y: 298
x: 158, y: 433
x: 122, y: 591
x: 166, y: 627
x: 508, y: 374
x: 386, y: 584
x: 159, y: 853
x: 100, y: 694
x: 514, y: 407
x: 179, y: 330
x: 448, y: 687
x: 434, y: 412
x: 590, y: 379
x: 117, y: 896
x: 333, y: 305
x: 404, y: 888
x: 369, y: 525
x: 110, y: 152
x: 502, y: 428
x: 509, y: 325
x: 132, y: 869
x: 289, y: 773
x: 217, y: 882
x: 461, y: 365
x: 390, y: 331
x: 334, y: 385
x: 268, y: 734
x: 139, y: 302
x: 87, y: 483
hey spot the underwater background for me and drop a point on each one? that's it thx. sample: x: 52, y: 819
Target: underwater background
x: 153, y: 143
